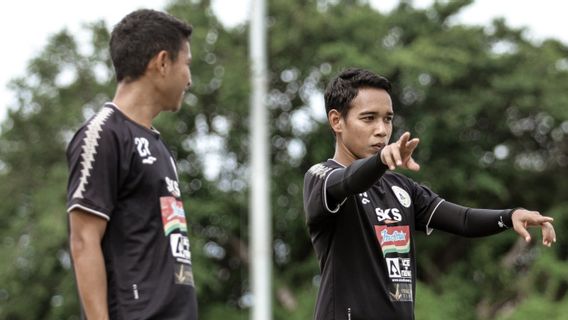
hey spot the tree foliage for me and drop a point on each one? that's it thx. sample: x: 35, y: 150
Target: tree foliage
x: 488, y: 105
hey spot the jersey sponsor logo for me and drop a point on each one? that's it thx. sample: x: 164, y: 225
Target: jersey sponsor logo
x: 183, y: 274
x: 319, y: 170
x: 175, y: 228
x: 390, y: 215
x: 143, y: 148
x: 173, y: 215
x: 179, y: 244
x: 394, y: 239
x: 400, y: 292
x: 173, y: 187
x: 402, y: 196
x: 399, y: 269
x: 90, y: 145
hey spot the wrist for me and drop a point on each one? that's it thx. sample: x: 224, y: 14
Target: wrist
x: 515, y: 209
x: 509, y: 217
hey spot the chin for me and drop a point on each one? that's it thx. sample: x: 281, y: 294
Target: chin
x: 359, y: 156
x: 178, y: 105
x: 366, y: 155
x: 174, y: 108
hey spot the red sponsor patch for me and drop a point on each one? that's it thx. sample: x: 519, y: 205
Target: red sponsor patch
x: 393, y: 239
x: 173, y: 215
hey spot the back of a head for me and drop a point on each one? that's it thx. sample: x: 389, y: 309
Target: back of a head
x: 345, y: 86
x: 142, y: 34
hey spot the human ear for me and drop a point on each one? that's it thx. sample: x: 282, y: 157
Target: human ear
x: 160, y: 62
x: 334, y: 118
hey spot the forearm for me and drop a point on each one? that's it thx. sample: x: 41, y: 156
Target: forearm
x: 91, y: 279
x: 470, y: 222
x: 356, y: 178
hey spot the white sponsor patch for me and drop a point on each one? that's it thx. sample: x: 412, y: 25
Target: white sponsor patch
x: 394, y: 267
x: 402, y: 196
x: 180, y: 246
x: 399, y: 268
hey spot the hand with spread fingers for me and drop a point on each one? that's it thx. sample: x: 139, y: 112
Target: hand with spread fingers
x: 399, y: 154
x: 522, y: 219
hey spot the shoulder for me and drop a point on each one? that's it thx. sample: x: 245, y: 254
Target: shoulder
x: 322, y: 169
x: 105, y: 120
x: 104, y: 128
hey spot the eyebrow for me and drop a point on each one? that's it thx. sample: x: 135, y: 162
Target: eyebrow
x: 374, y: 113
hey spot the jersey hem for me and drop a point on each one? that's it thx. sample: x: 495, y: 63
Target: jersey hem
x: 89, y: 210
x: 428, y: 229
x: 325, y: 195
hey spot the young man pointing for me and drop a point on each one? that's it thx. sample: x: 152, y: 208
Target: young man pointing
x: 362, y: 216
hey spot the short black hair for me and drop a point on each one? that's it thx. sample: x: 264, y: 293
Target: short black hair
x: 142, y: 34
x: 345, y: 86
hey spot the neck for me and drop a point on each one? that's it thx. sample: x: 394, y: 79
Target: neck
x: 342, y: 154
x: 136, y: 102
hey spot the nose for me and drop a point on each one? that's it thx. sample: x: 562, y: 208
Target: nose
x: 380, y: 129
x: 188, y: 85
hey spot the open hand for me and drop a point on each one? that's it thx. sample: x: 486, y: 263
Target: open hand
x: 524, y: 218
x: 399, y: 154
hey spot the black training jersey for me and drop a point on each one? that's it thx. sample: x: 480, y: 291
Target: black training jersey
x: 124, y: 173
x: 365, y: 245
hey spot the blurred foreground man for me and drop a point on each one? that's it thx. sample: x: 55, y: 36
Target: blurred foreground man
x: 128, y: 231
x: 362, y: 216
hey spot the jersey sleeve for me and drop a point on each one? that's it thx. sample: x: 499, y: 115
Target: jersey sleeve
x: 316, y: 205
x: 426, y: 202
x: 93, y: 159
x: 471, y: 222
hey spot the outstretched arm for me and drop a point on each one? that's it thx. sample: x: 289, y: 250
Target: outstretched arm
x: 468, y: 221
x: 472, y: 222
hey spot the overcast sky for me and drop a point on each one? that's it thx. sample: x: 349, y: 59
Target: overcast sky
x: 25, y: 25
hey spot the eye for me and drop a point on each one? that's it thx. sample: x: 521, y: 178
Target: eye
x: 388, y: 119
x: 368, y: 118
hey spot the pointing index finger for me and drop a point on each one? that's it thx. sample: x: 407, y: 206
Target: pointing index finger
x: 411, y: 144
x: 404, y: 139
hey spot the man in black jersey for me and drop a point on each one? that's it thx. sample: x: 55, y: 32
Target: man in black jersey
x: 362, y: 216
x: 128, y: 231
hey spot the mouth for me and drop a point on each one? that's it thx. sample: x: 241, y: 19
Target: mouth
x: 378, y: 146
